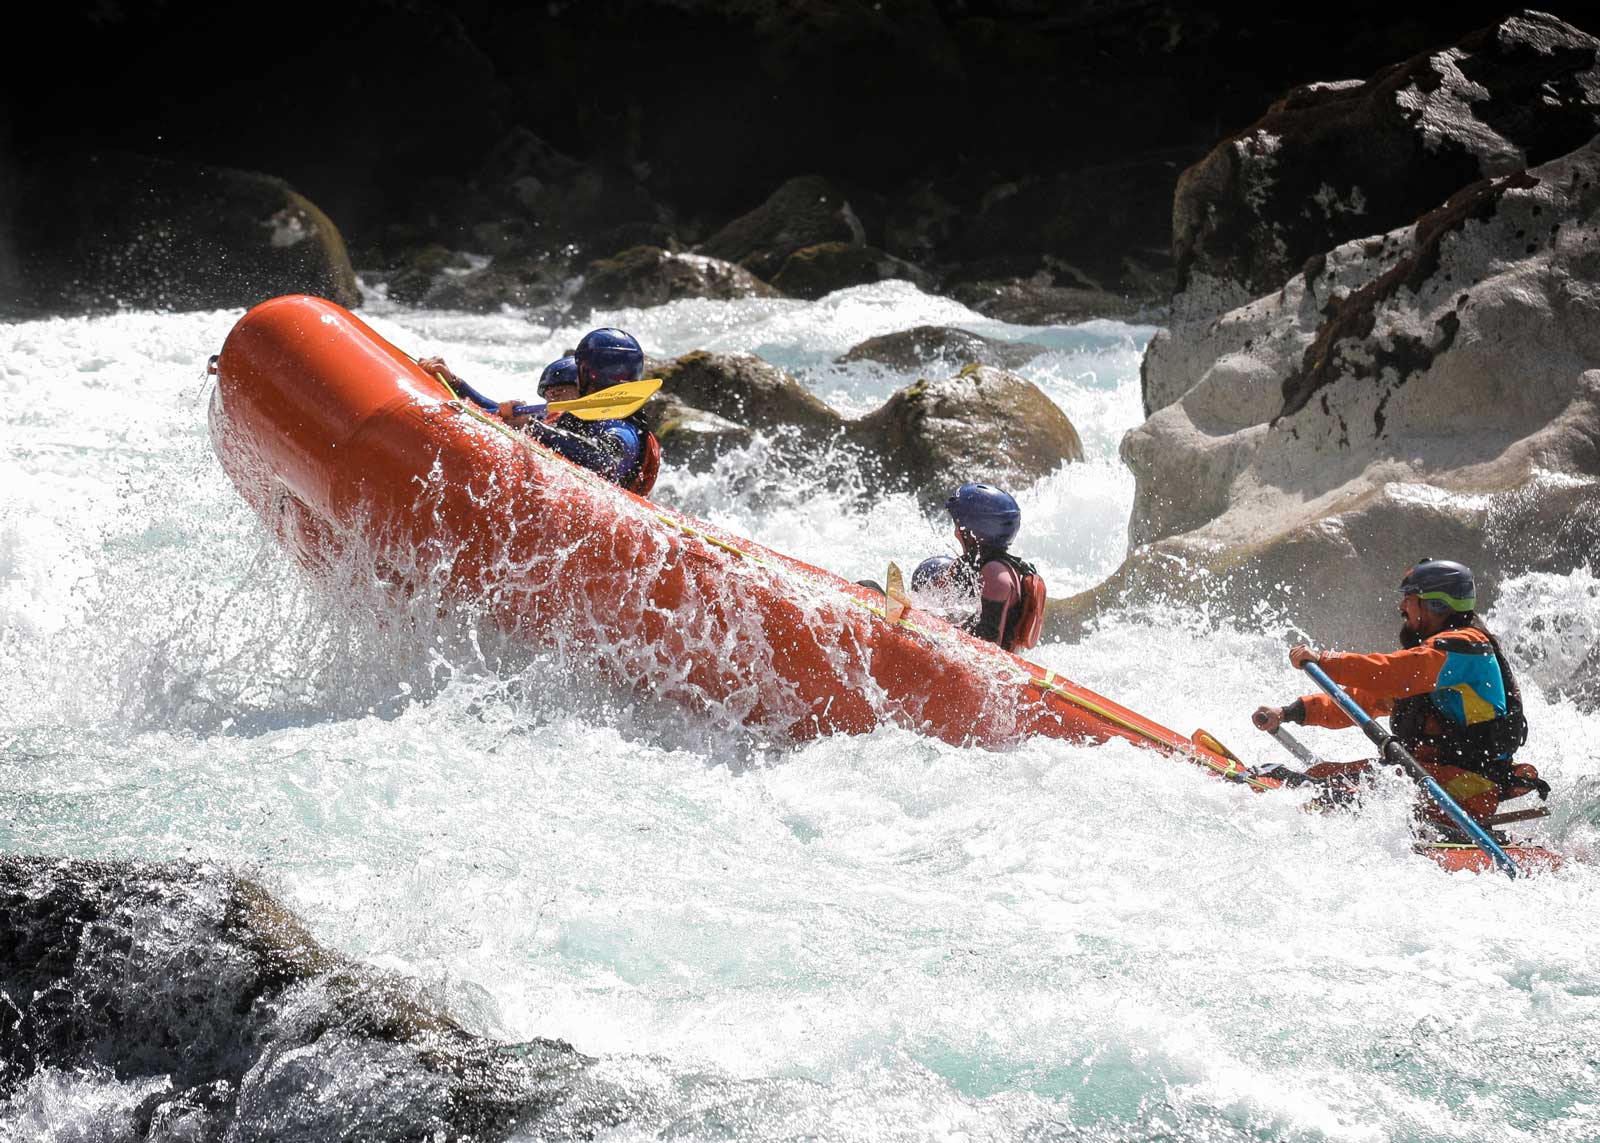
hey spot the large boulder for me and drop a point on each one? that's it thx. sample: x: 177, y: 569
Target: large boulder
x: 805, y: 211
x: 651, y: 276
x: 691, y: 438
x: 1332, y: 162
x: 981, y: 424
x: 109, y: 230
x: 925, y: 346
x: 1431, y: 392
x: 814, y: 271
x: 199, y: 979
x: 743, y: 389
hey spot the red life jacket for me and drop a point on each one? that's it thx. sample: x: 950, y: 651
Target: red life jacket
x: 1026, y: 623
x: 644, y: 477
x: 1026, y: 620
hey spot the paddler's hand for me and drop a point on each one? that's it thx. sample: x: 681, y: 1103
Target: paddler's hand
x: 1267, y: 718
x: 435, y: 365
x: 507, y: 412
x: 1300, y: 655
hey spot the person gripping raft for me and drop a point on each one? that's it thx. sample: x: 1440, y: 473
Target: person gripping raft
x: 1010, y: 593
x: 1451, y: 698
x: 622, y: 450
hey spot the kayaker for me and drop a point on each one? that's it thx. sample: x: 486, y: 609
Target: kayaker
x: 1451, y: 698
x: 624, y: 450
x: 1010, y: 593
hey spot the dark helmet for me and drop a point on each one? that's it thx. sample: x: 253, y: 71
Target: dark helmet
x: 561, y: 371
x: 931, y: 572
x: 986, y: 512
x: 607, y: 357
x: 1444, y: 584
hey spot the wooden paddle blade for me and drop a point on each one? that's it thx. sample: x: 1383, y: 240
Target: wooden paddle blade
x: 610, y: 404
x: 899, y: 601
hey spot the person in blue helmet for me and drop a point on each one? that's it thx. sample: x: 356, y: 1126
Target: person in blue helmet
x: 624, y: 450
x: 944, y: 586
x: 1008, y: 592
x: 558, y: 382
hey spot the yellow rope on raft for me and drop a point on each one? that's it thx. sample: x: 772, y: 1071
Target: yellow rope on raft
x: 1230, y: 770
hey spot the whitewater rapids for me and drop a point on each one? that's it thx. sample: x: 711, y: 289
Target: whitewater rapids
x: 868, y: 938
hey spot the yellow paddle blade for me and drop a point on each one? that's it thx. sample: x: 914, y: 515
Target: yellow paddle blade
x: 1211, y: 742
x: 610, y: 404
x: 899, y: 601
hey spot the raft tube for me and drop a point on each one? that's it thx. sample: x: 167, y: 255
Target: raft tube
x: 336, y: 438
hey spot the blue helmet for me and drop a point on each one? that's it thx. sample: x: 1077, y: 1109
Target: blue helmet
x: 931, y: 571
x: 1444, y: 585
x: 561, y: 371
x: 987, y: 513
x: 607, y: 357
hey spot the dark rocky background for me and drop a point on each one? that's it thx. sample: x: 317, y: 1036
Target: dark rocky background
x: 1019, y: 155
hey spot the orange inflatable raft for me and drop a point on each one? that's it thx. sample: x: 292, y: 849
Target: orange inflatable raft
x: 337, y: 438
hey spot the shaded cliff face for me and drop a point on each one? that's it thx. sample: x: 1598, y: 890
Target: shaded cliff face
x: 1009, y: 140
x: 1330, y: 162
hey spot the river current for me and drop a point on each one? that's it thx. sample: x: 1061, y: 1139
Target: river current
x: 882, y: 937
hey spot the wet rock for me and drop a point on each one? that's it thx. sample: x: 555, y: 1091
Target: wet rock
x: 1039, y: 301
x: 748, y: 391
x: 813, y: 271
x: 805, y: 211
x: 982, y: 424
x: 108, y: 230
x: 519, y: 283
x: 693, y: 438
x: 1332, y: 162
x: 1434, y: 391
x: 941, y: 346
x: 419, y: 270
x: 651, y: 276
x: 189, y: 974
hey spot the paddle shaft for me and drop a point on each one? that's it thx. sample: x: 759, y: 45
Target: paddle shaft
x: 594, y: 404
x: 1294, y: 746
x: 1394, y: 752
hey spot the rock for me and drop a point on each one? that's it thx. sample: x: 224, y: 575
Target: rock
x: 420, y: 270
x: 1432, y: 392
x: 108, y: 230
x: 693, y: 438
x: 1332, y: 162
x: 805, y: 211
x: 981, y: 424
x: 436, y: 278
x: 1104, y: 227
x: 813, y: 271
x: 748, y: 391
x: 519, y: 283
x: 199, y: 978
x: 942, y: 346
x: 562, y: 208
x: 651, y: 276
x: 1038, y: 301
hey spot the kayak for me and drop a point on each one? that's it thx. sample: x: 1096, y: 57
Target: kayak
x: 1459, y: 857
x: 342, y: 444
x: 337, y: 439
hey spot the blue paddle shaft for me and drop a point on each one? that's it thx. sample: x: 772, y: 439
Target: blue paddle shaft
x: 483, y: 402
x: 1393, y: 751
